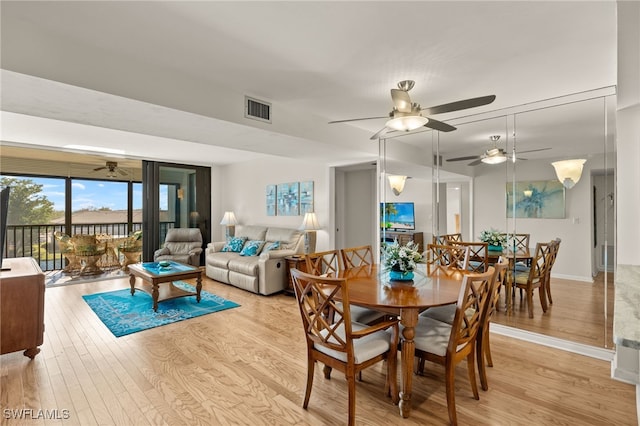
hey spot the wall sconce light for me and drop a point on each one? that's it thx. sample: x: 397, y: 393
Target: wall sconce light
x: 309, y: 225
x: 180, y: 193
x: 396, y: 182
x: 229, y: 219
x: 527, y: 193
x: 569, y: 171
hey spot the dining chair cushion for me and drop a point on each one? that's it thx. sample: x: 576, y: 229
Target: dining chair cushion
x: 444, y: 313
x: 365, y: 315
x: 521, y: 267
x: 364, y: 348
x: 523, y: 278
x: 432, y: 335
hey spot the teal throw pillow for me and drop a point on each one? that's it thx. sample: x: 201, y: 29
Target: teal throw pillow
x: 252, y: 248
x: 234, y: 244
x: 271, y: 246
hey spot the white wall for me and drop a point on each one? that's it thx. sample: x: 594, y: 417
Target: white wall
x: 242, y: 189
x: 574, y: 259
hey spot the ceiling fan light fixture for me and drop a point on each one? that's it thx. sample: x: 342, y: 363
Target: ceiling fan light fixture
x: 406, y: 122
x: 569, y: 171
x: 495, y: 159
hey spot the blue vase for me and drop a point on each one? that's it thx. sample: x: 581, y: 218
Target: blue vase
x: 400, y: 276
x: 494, y: 248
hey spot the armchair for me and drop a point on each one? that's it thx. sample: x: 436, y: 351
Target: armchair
x: 181, y: 245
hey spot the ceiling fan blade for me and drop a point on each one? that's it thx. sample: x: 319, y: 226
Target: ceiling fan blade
x: 99, y: 168
x: 475, y: 163
x: 380, y: 133
x: 470, y: 157
x: 456, y: 106
x: 532, y: 150
x: 401, y: 100
x: 357, y: 119
x: 122, y: 172
x: 439, y: 125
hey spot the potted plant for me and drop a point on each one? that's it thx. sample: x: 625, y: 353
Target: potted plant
x: 400, y: 260
x: 496, y: 239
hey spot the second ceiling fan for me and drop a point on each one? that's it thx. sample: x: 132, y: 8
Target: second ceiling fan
x: 492, y: 155
x: 407, y: 115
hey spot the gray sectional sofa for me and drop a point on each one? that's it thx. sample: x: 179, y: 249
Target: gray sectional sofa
x: 264, y: 273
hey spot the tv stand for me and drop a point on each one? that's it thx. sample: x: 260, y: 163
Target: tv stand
x: 404, y: 237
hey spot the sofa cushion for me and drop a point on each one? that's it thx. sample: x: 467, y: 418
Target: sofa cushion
x: 288, y: 237
x: 252, y: 232
x: 271, y: 245
x: 247, y: 265
x: 234, y: 244
x: 220, y: 259
x: 252, y: 248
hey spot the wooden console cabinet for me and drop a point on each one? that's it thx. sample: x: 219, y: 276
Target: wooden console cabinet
x: 404, y: 237
x: 21, y: 307
x: 297, y: 262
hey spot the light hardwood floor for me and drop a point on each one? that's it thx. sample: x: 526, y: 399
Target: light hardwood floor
x: 248, y: 366
x: 577, y: 313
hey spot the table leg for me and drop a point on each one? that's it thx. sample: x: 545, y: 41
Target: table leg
x: 408, y: 319
x: 155, y: 294
x: 132, y: 283
x: 198, y: 287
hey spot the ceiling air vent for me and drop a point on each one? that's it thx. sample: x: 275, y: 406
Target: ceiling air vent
x: 257, y: 110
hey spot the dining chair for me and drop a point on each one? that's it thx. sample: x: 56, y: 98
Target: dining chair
x: 449, y: 344
x: 330, y: 263
x: 535, y: 277
x: 324, y: 263
x: 478, y: 254
x: 552, y: 260
x: 517, y: 242
x: 446, y: 238
x: 446, y: 258
x: 357, y: 256
x: 483, y: 346
x: 346, y: 346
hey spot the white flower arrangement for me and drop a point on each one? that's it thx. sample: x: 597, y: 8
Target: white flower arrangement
x: 493, y: 237
x: 401, y: 258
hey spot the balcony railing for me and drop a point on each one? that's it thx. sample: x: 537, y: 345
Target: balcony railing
x: 38, y: 241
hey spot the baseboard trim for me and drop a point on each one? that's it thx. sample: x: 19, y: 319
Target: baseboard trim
x: 553, y: 342
x: 573, y: 278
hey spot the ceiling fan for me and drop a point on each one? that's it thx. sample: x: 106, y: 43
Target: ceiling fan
x: 407, y: 115
x: 111, y: 167
x: 493, y: 155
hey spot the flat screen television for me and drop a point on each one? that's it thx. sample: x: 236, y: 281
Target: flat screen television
x: 4, y: 212
x: 397, y: 216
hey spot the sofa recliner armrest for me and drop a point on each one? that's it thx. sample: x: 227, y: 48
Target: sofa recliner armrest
x: 196, y: 250
x: 215, y: 246
x: 276, y: 254
x: 161, y: 252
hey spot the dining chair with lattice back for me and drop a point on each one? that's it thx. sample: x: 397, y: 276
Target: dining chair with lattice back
x: 483, y: 346
x: 517, y: 242
x: 324, y: 263
x: 447, y: 238
x: 478, y: 255
x: 449, y: 344
x: 552, y: 260
x: 341, y: 344
x: 535, y: 277
x: 446, y: 258
x: 353, y: 257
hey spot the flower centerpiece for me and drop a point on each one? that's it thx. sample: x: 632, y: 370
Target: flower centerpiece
x: 400, y: 260
x: 495, y: 238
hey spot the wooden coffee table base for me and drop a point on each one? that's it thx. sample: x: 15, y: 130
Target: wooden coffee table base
x: 151, y: 284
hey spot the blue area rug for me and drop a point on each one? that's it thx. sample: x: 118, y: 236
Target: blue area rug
x: 125, y: 314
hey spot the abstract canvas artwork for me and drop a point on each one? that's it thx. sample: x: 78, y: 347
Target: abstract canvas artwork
x: 271, y: 200
x: 536, y: 199
x: 288, y: 201
x: 306, y: 197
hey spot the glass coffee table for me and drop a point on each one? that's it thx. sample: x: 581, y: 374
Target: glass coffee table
x: 153, y: 274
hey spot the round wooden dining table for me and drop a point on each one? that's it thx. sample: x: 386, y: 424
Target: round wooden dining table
x: 371, y: 287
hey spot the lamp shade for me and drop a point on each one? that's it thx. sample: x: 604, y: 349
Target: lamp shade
x: 569, y: 171
x: 229, y: 218
x: 310, y: 222
x: 406, y: 122
x: 396, y: 182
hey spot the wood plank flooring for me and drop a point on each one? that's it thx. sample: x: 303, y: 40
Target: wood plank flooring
x: 248, y: 366
x: 577, y: 313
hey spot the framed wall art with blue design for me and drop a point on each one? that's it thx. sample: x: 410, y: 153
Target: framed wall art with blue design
x: 271, y: 200
x: 543, y: 199
x: 287, y: 195
x: 306, y: 197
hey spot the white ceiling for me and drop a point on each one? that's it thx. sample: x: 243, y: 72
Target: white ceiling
x: 140, y: 76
